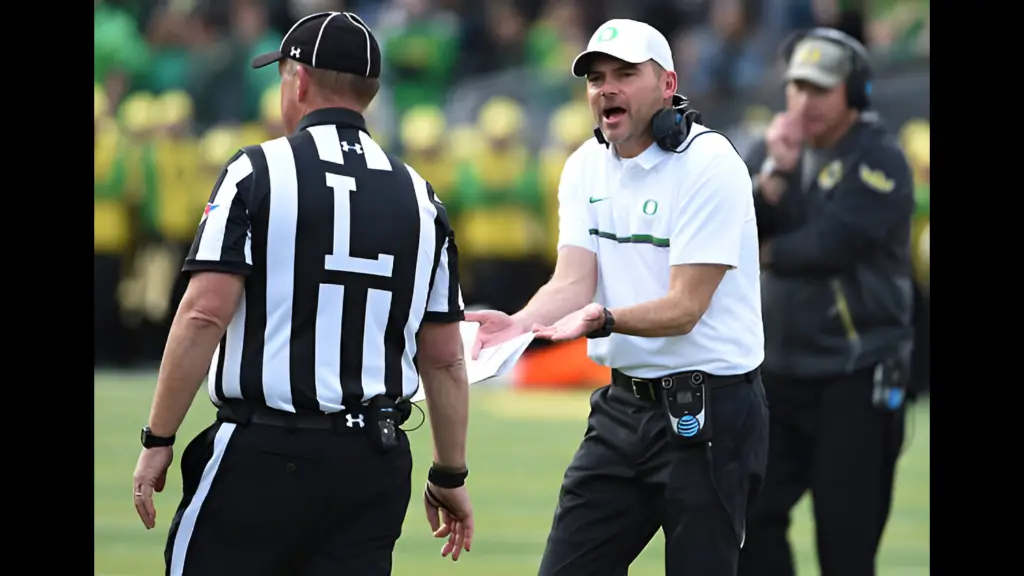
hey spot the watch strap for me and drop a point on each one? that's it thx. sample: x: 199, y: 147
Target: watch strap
x: 150, y: 440
x: 445, y: 477
x: 606, y: 328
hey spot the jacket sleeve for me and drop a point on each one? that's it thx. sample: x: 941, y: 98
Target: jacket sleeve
x: 765, y: 213
x: 871, y: 203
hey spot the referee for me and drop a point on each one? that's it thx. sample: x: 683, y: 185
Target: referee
x: 323, y: 285
x: 658, y: 265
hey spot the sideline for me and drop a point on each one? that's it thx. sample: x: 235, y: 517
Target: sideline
x: 514, y: 404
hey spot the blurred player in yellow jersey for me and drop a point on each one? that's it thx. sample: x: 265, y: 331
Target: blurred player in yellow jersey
x: 425, y: 147
x: 500, y: 211
x: 111, y: 232
x: 137, y: 121
x: 170, y: 199
x: 177, y: 195
x: 111, y: 229
x: 915, y: 139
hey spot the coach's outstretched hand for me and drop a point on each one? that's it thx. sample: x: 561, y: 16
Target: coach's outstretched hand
x: 450, y: 516
x: 495, y: 327
x: 150, y: 476
x: 572, y: 326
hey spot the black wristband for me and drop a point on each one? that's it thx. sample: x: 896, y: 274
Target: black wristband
x: 149, y: 440
x: 446, y: 477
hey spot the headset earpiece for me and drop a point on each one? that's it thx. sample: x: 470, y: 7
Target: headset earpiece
x: 671, y: 126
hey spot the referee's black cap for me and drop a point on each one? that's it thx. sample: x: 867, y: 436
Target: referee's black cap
x: 336, y: 41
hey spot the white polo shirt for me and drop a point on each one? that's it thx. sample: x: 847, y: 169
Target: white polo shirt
x: 642, y: 216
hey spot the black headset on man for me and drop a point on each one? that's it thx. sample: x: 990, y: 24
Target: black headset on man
x: 858, y: 81
x: 671, y: 126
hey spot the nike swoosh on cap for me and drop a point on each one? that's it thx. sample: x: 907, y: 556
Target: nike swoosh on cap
x: 592, y: 199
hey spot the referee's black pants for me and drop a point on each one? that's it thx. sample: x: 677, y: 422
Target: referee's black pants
x: 630, y: 477
x: 262, y: 500
x: 827, y: 437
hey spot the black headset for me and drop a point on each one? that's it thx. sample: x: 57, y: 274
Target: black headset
x: 858, y: 81
x: 670, y: 126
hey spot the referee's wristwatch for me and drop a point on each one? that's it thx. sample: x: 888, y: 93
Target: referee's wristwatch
x: 150, y: 440
x: 606, y: 329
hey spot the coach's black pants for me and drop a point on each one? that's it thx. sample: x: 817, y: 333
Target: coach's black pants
x: 826, y: 437
x: 629, y: 478
x: 267, y: 501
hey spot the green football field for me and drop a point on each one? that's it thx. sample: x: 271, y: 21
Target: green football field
x: 519, y: 446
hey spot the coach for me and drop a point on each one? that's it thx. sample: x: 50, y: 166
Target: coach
x: 834, y: 200
x: 657, y: 264
x: 323, y: 273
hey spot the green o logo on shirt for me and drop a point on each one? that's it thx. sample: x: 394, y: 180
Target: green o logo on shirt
x: 607, y: 34
x: 650, y: 207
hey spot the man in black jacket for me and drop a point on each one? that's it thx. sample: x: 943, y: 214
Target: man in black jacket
x: 834, y: 199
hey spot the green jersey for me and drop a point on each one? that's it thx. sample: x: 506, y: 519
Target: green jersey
x: 118, y: 45
x: 420, y: 60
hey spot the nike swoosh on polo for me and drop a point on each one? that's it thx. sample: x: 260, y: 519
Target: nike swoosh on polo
x: 592, y: 199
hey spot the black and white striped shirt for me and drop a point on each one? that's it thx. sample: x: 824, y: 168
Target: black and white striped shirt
x: 345, y: 249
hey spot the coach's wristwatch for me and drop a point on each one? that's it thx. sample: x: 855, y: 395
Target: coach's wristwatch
x: 605, y: 330
x: 150, y: 440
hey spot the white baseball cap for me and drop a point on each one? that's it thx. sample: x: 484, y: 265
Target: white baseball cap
x: 628, y: 40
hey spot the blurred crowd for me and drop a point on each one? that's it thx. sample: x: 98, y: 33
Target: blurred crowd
x: 477, y: 96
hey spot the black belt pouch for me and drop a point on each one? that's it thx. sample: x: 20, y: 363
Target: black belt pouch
x: 687, y: 403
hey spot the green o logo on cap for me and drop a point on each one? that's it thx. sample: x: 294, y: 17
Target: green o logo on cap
x: 650, y: 207
x: 609, y: 33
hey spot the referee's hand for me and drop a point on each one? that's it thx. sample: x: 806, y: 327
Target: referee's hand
x: 495, y: 328
x: 450, y: 516
x: 150, y: 476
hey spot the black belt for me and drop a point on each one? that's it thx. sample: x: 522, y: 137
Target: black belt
x: 651, y: 388
x: 354, y: 420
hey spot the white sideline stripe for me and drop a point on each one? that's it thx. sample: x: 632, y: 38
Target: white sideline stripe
x: 188, y: 518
